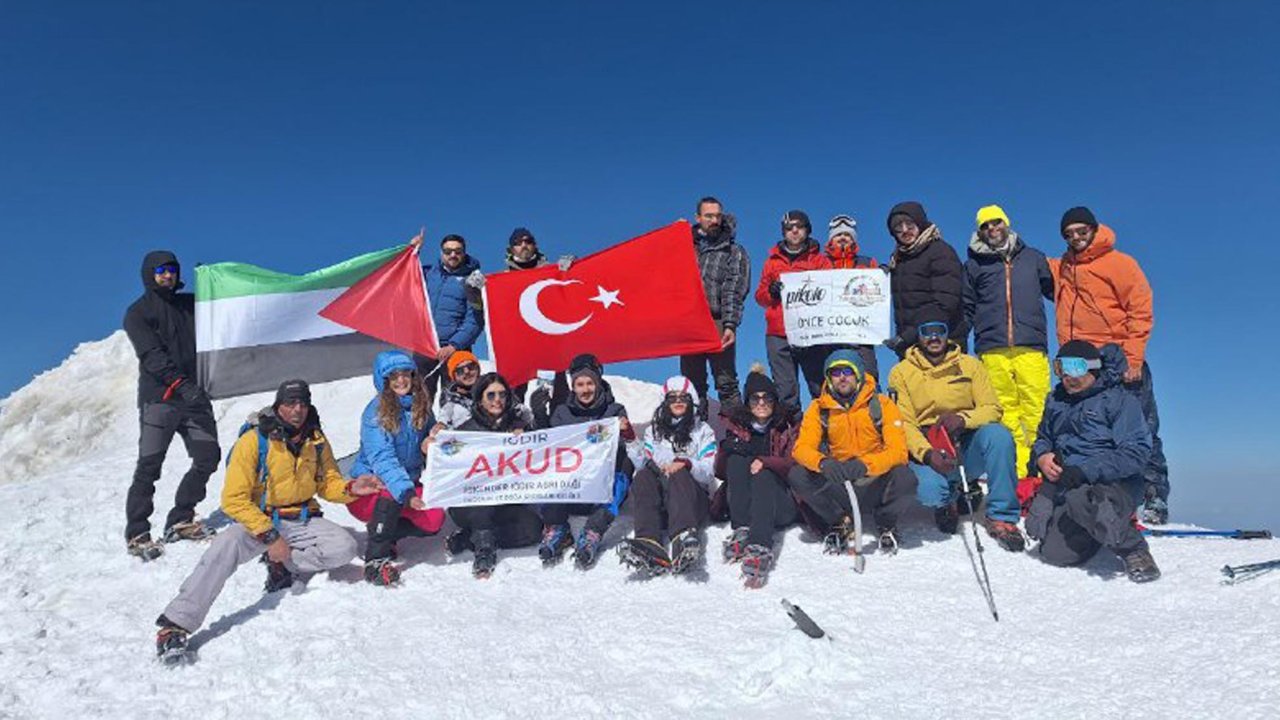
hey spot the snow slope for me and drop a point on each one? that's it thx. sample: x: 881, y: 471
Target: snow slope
x: 910, y: 638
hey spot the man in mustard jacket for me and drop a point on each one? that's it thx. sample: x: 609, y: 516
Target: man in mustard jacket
x: 271, y: 495
x: 938, y: 384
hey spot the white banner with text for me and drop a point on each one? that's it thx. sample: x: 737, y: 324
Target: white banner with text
x: 836, y: 307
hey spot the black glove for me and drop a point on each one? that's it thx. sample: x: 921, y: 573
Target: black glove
x: 942, y: 462
x: 1072, y: 477
x: 952, y: 423
x: 894, y: 343
x: 845, y: 471
x: 775, y: 289
x: 540, y: 404
x: 190, y: 393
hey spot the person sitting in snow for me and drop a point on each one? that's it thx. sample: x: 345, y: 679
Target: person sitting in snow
x: 458, y: 397
x: 393, y: 432
x: 271, y: 495
x: 485, y: 528
x: 674, y: 476
x: 591, y: 399
x: 1091, y: 448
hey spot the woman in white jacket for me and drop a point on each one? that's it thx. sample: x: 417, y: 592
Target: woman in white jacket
x: 674, y: 477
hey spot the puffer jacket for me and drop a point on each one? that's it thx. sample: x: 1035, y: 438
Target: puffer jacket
x: 778, y: 262
x: 700, y: 453
x: 1004, y: 295
x: 396, y: 459
x: 928, y: 285
x: 849, y: 260
x: 292, y: 480
x: 958, y: 384
x: 726, y: 274
x: 454, y: 306
x: 773, y: 446
x: 1100, y: 430
x: 161, y: 325
x: 852, y: 433
x: 1103, y: 297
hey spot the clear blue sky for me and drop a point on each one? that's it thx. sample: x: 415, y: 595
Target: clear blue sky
x: 293, y: 135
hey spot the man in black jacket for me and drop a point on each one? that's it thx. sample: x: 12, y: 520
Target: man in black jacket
x: 927, y: 279
x: 726, y: 275
x: 161, y: 325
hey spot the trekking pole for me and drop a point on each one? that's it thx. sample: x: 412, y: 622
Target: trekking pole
x: 1229, y: 534
x: 977, y: 541
x: 1243, y: 572
x: 859, y: 560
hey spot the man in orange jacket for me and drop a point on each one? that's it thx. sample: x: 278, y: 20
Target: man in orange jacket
x: 1103, y: 297
x: 851, y: 434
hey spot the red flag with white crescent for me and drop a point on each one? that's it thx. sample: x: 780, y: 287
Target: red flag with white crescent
x: 642, y: 298
x: 390, y: 304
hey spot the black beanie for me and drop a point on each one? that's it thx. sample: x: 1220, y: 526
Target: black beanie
x: 519, y: 234
x: 292, y: 390
x: 1078, y: 215
x: 911, y: 209
x: 586, y: 364
x: 758, y: 382
x: 796, y: 216
x: 1079, y: 348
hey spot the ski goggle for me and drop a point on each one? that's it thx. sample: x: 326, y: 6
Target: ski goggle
x: 685, y: 398
x: 933, y: 330
x: 1075, y: 366
x: 170, y: 268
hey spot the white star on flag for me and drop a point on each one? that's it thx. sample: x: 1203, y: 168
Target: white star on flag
x: 607, y: 298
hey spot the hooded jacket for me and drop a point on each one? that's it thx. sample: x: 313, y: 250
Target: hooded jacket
x: 958, y: 384
x: 726, y: 273
x: 1103, y: 297
x: 162, y: 327
x: 851, y: 259
x: 396, y: 459
x: 1004, y: 295
x: 928, y: 284
x: 778, y: 262
x: 851, y: 431
x: 1101, y: 430
x: 291, y: 481
x: 456, y: 312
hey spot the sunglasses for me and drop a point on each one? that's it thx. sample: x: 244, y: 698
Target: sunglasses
x: 933, y: 330
x: 904, y: 225
x: 760, y: 399
x: 1075, y: 367
x: 166, y: 269
x: 453, y: 251
x: 991, y: 224
x: 793, y: 226
x: 495, y: 395
x: 842, y: 371
x: 674, y: 398
x: 1081, y: 233
x: 525, y: 241
x: 466, y: 369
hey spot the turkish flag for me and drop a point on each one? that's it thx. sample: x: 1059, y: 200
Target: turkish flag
x: 642, y: 298
x: 390, y: 304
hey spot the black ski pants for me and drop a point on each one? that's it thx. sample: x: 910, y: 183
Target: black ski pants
x: 673, y: 502
x: 760, y: 501
x: 159, y: 422
x: 386, y: 527
x: 724, y: 370
x: 514, y: 526
x: 1072, y: 525
x: 885, y: 497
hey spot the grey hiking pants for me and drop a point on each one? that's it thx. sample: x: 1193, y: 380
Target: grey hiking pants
x: 1073, y: 525
x: 317, y: 545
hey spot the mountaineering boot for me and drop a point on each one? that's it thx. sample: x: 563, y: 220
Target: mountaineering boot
x: 757, y: 561
x: 971, y: 499
x: 947, y: 519
x: 278, y: 576
x: 645, y: 555
x: 555, y: 540
x: 142, y: 546
x: 887, y: 540
x: 381, y: 572
x: 841, y: 539
x: 457, y: 543
x: 484, y: 543
x: 686, y: 550
x: 1007, y: 535
x: 1140, y: 566
x: 194, y: 530
x: 736, y: 544
x: 1155, y: 512
x: 587, y: 549
x: 171, y: 643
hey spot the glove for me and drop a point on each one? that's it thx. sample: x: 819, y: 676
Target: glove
x: 845, y: 471
x: 190, y: 393
x: 540, y: 404
x: 564, y: 262
x: 952, y: 423
x: 893, y: 343
x: 942, y: 462
x: 1072, y: 477
x: 475, y: 279
x: 775, y: 289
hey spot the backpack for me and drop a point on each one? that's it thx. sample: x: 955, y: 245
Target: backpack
x: 877, y: 419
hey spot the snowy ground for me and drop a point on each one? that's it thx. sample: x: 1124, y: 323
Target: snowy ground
x: 910, y: 638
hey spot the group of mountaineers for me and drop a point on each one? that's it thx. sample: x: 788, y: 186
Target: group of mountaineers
x: 1080, y: 461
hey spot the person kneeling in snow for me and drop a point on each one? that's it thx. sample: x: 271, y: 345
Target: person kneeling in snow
x: 1091, y: 447
x: 851, y: 434
x: 393, y: 430
x: 673, y: 479
x: 271, y: 495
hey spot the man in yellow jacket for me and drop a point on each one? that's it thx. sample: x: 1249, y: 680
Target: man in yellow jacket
x: 271, y: 495
x: 938, y: 384
x: 851, y: 434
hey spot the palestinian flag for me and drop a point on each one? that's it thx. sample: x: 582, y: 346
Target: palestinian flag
x: 256, y: 328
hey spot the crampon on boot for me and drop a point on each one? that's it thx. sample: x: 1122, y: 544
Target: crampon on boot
x: 1007, y: 535
x: 555, y: 540
x: 381, y: 572
x: 144, y: 548
x: 757, y: 561
x: 887, y: 540
x: 458, y: 542
x: 735, y: 546
x: 195, y: 530
x: 947, y: 519
x: 587, y: 550
x: 485, y: 546
x: 686, y: 551
x: 842, y: 538
x: 278, y: 576
x: 644, y: 555
x: 1140, y: 566
x: 171, y: 645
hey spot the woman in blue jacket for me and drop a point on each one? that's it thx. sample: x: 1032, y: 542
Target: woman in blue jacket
x: 392, y: 430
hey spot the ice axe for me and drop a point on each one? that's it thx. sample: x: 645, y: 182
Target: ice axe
x: 941, y: 442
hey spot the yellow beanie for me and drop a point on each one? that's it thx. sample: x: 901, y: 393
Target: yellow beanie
x: 992, y: 212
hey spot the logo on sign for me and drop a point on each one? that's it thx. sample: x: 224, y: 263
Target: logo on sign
x: 597, y: 433
x: 451, y: 446
x: 863, y: 291
x: 808, y: 295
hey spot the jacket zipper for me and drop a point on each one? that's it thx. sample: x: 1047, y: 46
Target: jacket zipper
x: 1008, y: 296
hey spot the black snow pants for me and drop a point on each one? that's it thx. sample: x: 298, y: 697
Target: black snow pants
x: 674, y: 502
x: 159, y: 422
x: 759, y: 501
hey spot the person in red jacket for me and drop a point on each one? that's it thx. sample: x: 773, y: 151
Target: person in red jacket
x: 842, y: 250
x: 796, y: 252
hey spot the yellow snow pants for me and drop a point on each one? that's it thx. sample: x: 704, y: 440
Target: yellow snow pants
x: 1020, y: 377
